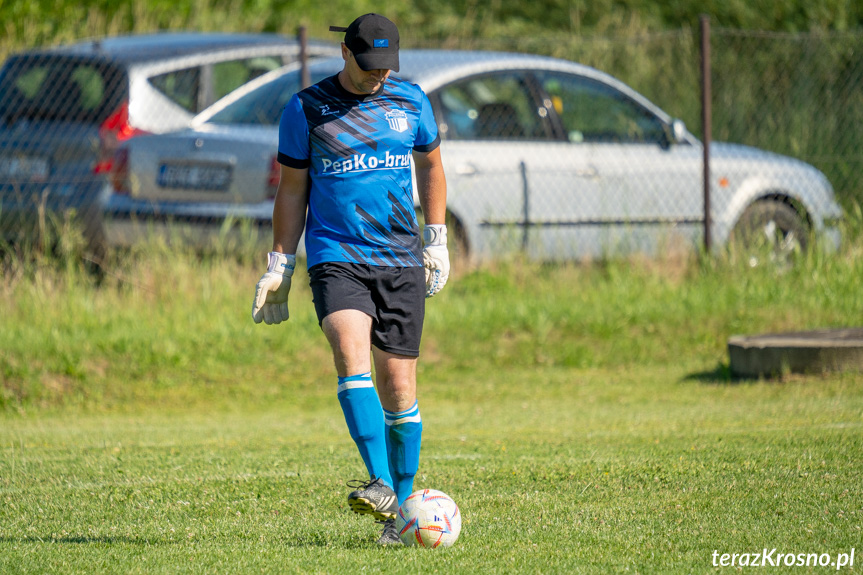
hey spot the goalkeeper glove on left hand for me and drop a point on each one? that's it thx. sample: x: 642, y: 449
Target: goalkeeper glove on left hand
x: 435, y: 258
x: 271, y: 293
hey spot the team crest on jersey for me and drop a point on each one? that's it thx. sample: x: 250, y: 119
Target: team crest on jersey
x: 398, y: 120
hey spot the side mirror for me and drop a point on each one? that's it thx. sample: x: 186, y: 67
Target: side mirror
x: 678, y: 131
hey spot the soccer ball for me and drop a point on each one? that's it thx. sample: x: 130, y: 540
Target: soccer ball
x: 428, y: 518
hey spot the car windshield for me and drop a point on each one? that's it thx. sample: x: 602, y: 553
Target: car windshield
x: 263, y: 105
x: 59, y: 89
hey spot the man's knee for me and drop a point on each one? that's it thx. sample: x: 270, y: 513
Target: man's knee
x: 349, y: 335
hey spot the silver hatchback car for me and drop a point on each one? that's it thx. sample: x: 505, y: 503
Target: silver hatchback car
x: 64, y: 110
x: 543, y: 157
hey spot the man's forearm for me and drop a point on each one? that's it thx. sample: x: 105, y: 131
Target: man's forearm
x: 431, y: 186
x: 431, y: 189
x: 289, y: 220
x: 289, y: 211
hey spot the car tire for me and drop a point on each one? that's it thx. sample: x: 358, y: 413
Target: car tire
x: 770, y: 230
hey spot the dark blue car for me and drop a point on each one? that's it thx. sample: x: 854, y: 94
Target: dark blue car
x: 64, y: 111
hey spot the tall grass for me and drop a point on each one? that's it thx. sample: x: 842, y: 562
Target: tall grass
x: 167, y: 327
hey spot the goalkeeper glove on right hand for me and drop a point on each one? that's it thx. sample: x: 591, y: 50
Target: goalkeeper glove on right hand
x: 271, y: 293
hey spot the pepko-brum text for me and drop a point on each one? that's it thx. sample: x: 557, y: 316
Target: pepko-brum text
x: 363, y: 162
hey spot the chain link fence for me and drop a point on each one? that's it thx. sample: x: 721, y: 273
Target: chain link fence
x: 555, y: 161
x: 799, y: 95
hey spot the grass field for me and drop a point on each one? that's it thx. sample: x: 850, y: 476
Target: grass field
x: 583, y: 417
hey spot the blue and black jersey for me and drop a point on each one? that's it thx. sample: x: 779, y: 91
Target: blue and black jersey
x: 358, y: 151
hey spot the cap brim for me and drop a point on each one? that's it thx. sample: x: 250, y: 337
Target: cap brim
x: 371, y: 61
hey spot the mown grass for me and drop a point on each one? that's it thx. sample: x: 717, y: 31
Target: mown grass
x: 583, y: 416
x: 603, y: 471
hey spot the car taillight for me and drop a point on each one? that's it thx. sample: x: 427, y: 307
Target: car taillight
x: 120, y: 172
x: 274, y: 177
x: 114, y: 129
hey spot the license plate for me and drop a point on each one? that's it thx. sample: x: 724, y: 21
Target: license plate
x: 195, y: 176
x: 24, y: 167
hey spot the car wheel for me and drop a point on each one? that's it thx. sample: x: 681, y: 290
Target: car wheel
x: 770, y: 231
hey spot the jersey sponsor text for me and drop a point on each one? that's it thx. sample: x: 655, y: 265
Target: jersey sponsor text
x: 364, y: 162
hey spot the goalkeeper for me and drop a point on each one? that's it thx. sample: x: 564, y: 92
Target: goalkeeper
x: 345, y: 149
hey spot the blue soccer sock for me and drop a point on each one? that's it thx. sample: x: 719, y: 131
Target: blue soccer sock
x: 404, y: 433
x: 365, y: 418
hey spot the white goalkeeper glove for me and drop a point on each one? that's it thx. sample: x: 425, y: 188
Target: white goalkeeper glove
x: 435, y: 258
x: 271, y: 293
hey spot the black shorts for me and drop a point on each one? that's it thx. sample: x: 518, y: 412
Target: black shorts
x: 394, y: 297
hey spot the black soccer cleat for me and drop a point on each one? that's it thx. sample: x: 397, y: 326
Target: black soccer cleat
x: 390, y: 535
x: 374, y: 498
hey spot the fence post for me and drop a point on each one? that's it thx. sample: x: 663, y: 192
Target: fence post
x: 305, y: 74
x: 706, y: 124
x: 525, y: 206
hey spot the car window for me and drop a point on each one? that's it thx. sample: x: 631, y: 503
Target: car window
x: 29, y: 81
x: 59, y: 89
x: 228, y: 76
x: 263, y: 105
x: 592, y: 111
x: 88, y: 82
x: 181, y: 86
x: 490, y: 107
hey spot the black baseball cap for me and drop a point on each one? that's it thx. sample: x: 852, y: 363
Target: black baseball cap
x: 374, y: 41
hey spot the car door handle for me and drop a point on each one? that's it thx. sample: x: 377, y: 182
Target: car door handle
x: 587, y: 172
x: 467, y: 169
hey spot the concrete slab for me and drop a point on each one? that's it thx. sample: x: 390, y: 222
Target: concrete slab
x: 815, y: 351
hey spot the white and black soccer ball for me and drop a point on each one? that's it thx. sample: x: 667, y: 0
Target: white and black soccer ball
x: 428, y: 518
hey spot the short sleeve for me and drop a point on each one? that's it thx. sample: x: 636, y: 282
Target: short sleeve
x: 427, y: 135
x: 294, y: 150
